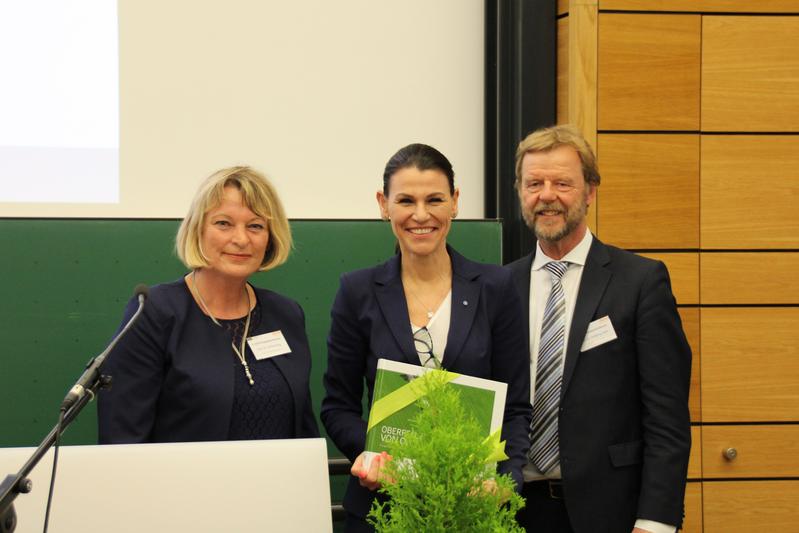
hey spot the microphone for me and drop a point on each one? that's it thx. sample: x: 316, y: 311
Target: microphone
x: 141, y: 291
x: 91, y: 375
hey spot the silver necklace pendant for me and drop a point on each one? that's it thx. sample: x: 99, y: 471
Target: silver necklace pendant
x: 248, y: 374
x: 240, y: 353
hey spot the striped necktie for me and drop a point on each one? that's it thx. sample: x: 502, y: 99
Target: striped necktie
x: 549, y: 373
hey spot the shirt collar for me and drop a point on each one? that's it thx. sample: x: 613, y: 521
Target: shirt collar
x: 578, y: 255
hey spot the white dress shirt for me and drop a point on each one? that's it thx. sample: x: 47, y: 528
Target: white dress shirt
x: 540, y: 287
x: 438, y: 327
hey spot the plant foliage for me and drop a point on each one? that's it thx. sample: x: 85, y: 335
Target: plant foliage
x: 439, y: 472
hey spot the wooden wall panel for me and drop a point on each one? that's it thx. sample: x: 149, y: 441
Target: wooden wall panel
x: 749, y: 73
x: 581, y: 75
x: 646, y: 84
x: 562, y: 77
x: 698, y: 6
x: 676, y: 193
x: 749, y: 278
x: 650, y: 190
x: 749, y: 190
x: 763, y: 451
x: 693, y: 508
x: 690, y: 324
x: 563, y: 7
x: 744, y: 507
x: 695, y: 461
x: 749, y: 364
x: 684, y: 273
x: 583, y: 67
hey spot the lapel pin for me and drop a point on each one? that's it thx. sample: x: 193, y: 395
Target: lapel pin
x: 465, y: 302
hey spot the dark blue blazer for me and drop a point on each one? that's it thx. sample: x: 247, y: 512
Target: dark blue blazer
x: 370, y: 321
x: 623, y: 426
x: 172, y: 371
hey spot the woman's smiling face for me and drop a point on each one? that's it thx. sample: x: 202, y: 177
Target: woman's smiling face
x: 234, y: 239
x: 421, y: 208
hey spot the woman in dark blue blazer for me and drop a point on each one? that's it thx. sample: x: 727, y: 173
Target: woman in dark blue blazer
x: 429, y: 306
x: 212, y: 357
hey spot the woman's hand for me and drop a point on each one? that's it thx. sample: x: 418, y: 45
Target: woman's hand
x: 373, y: 477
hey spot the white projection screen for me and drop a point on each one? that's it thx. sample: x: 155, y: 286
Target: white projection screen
x: 119, y: 109
x: 59, y: 118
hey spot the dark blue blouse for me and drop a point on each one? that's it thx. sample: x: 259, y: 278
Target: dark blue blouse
x: 263, y: 410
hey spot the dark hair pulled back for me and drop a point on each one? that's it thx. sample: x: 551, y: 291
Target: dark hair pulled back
x: 422, y: 157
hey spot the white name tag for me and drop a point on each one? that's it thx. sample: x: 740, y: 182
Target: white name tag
x: 268, y: 345
x: 599, y: 332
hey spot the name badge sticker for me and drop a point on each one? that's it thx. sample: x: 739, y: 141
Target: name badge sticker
x: 599, y: 332
x: 268, y: 345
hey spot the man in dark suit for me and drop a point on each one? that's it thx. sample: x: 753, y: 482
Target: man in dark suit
x: 610, y: 365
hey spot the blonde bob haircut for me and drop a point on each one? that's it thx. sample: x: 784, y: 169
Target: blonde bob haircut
x: 546, y: 139
x: 258, y: 195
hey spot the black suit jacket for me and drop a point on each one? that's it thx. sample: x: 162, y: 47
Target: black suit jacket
x: 173, y: 375
x: 624, y: 426
x: 370, y: 321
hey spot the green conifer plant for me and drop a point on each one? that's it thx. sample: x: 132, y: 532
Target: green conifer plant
x: 442, y: 480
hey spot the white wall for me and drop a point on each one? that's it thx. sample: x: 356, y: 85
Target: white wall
x: 316, y: 93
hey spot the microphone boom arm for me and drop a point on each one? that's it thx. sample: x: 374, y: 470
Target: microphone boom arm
x: 90, y: 382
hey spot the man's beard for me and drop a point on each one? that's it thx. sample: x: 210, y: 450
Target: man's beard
x: 574, y: 218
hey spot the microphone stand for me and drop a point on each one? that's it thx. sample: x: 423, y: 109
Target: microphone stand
x: 81, y: 394
x: 13, y: 485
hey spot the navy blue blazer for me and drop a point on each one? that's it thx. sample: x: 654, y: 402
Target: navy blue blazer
x: 624, y: 427
x: 172, y: 372
x: 370, y: 321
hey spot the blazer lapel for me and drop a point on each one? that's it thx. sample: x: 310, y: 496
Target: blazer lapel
x: 465, y: 298
x: 521, y: 277
x: 287, y: 365
x: 593, y: 283
x: 391, y: 299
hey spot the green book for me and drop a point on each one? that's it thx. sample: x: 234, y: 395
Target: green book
x: 395, y: 403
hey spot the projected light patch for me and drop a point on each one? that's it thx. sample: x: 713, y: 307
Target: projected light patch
x: 59, y: 101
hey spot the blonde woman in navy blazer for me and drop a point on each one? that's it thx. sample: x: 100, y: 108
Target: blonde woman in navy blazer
x: 184, y: 372
x: 473, y: 309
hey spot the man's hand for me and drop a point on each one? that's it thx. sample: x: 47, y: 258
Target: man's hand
x: 490, y: 486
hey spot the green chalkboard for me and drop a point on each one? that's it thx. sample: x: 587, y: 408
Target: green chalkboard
x: 64, y: 284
